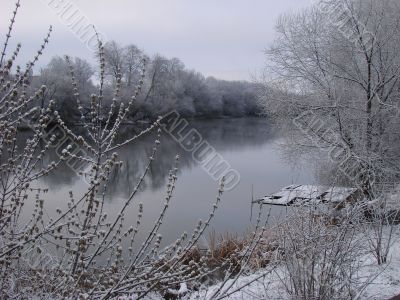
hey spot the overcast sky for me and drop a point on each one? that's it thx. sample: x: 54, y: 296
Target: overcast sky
x: 220, y: 38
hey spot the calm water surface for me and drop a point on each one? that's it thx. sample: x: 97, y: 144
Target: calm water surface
x: 250, y: 145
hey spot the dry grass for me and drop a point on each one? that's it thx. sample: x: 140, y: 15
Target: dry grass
x: 226, y: 252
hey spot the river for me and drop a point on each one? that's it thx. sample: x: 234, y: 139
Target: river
x: 250, y: 145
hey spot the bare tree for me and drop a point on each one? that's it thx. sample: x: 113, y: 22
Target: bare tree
x: 133, y: 58
x: 56, y: 77
x: 337, y: 68
x: 114, y: 59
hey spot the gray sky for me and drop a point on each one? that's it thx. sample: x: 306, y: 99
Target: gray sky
x: 220, y: 38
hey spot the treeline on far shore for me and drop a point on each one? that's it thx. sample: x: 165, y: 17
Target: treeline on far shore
x: 167, y: 85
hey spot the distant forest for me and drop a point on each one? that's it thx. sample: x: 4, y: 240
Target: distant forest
x: 168, y: 85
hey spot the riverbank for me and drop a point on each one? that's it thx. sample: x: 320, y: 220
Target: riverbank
x: 374, y: 282
x: 267, y: 284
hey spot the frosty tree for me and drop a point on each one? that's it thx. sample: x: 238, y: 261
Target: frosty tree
x: 337, y: 72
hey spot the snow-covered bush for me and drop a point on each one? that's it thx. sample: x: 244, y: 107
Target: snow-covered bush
x: 81, y: 252
x: 320, y: 260
x: 382, y: 216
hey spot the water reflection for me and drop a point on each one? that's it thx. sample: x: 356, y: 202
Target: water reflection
x: 224, y: 135
x: 249, y: 145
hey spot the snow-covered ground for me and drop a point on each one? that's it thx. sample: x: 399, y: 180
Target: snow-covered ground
x: 374, y: 282
x: 383, y: 281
